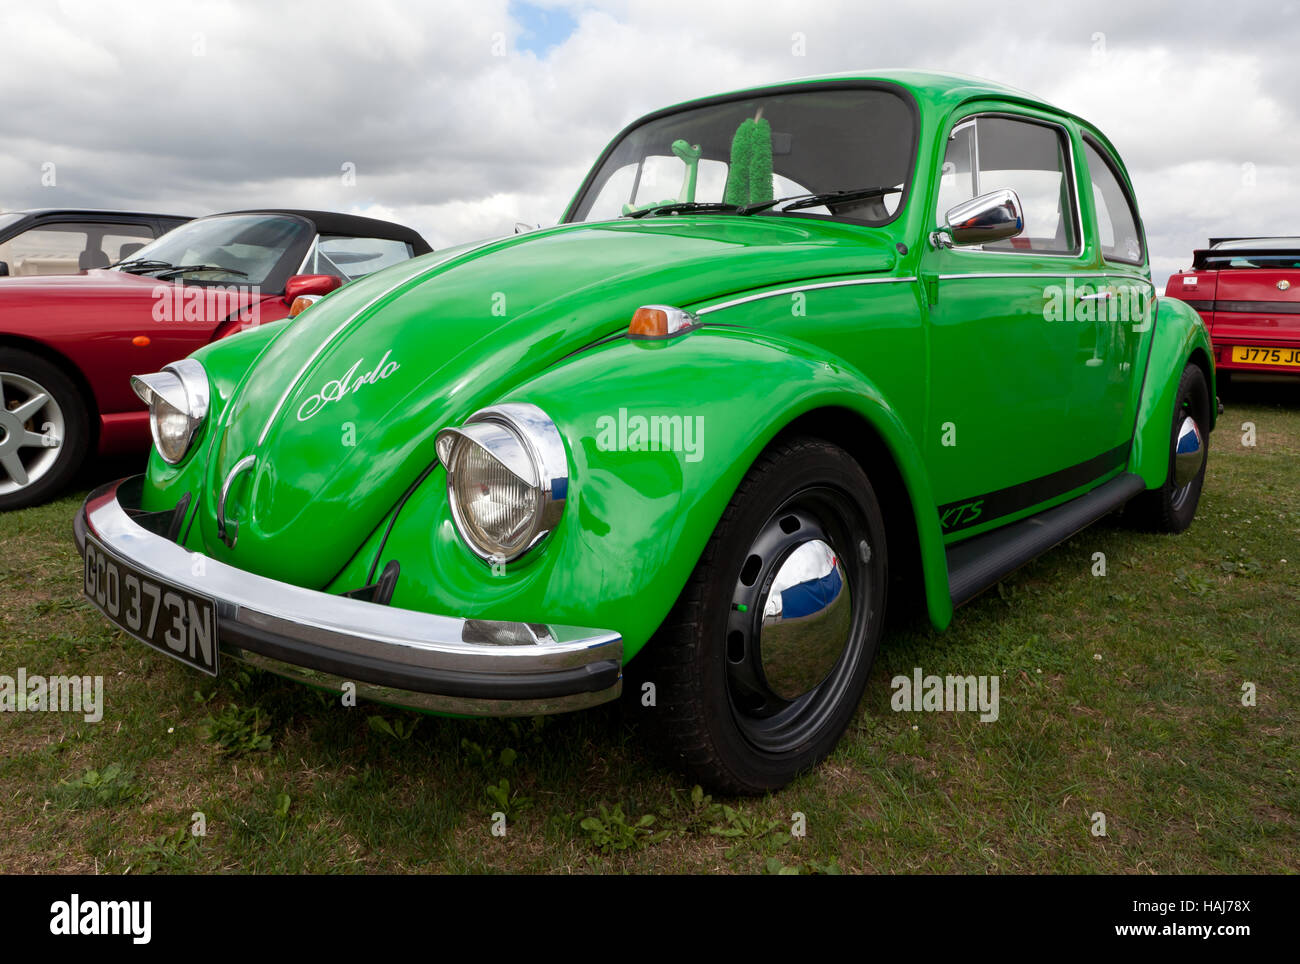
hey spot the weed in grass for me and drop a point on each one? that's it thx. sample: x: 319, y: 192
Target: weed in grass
x: 103, y: 788
x: 168, y: 853
x: 504, y: 800
x: 476, y: 756
x: 238, y: 730
x: 399, y: 728
x: 746, y: 830
x: 613, y: 831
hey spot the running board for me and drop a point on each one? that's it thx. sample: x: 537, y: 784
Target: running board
x: 980, y: 562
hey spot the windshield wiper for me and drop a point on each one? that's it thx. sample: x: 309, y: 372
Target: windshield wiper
x: 178, y: 268
x: 675, y: 207
x: 797, y: 201
x: 140, y: 264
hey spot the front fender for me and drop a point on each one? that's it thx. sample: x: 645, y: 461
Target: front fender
x: 1179, y: 337
x: 637, y: 519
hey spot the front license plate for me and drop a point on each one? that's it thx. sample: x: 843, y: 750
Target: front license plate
x: 1266, y: 356
x: 170, y: 619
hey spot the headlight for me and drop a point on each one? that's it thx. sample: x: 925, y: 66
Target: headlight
x: 507, y: 479
x: 177, y: 398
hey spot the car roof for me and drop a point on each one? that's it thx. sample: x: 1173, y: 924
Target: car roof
x: 350, y: 225
x: 98, y: 212
x: 1255, y: 244
x: 930, y: 85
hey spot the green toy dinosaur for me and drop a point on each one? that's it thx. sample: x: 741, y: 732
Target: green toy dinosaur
x: 690, y: 156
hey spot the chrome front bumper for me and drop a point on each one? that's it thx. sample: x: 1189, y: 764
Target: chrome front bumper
x: 397, y: 656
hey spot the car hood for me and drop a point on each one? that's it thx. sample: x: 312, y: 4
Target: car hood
x: 340, y: 412
x: 99, y: 287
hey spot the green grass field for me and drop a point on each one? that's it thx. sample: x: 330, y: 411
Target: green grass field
x: 1120, y: 694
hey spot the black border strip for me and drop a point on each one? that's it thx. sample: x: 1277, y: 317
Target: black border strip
x: 1025, y: 495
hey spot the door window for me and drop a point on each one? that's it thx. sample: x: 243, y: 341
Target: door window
x: 993, y: 153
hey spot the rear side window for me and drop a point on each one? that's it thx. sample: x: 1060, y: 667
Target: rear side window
x: 1117, y: 223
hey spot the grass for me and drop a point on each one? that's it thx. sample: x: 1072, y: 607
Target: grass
x: 1120, y: 694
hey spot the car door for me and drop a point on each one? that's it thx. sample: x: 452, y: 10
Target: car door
x: 1011, y: 424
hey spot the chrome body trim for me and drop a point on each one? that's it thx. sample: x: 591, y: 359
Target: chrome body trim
x: 229, y: 531
x: 417, y: 659
x: 797, y: 288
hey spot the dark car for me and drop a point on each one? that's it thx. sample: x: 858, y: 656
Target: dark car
x: 70, y: 344
x: 69, y: 240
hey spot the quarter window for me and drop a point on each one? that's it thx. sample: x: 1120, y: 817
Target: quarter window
x: 987, y: 154
x: 1117, y: 224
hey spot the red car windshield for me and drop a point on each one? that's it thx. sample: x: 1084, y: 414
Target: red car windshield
x: 239, y: 248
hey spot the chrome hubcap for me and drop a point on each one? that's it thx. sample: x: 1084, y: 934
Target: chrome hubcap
x: 31, y: 432
x: 1189, y: 453
x: 807, y: 616
x: 797, y: 629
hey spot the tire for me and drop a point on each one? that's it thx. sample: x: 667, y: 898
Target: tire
x: 44, y: 429
x: 739, y: 706
x: 1172, y: 507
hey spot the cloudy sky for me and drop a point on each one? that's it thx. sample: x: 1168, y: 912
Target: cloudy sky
x: 460, y: 118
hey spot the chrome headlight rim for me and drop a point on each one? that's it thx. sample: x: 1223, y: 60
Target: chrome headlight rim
x: 527, y: 443
x: 183, y: 387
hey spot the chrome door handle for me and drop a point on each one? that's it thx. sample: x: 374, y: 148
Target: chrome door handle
x: 1098, y: 296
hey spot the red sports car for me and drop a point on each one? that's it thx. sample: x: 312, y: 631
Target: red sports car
x: 69, y: 344
x: 1248, y: 292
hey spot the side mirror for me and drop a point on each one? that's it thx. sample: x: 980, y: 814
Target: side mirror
x: 523, y: 227
x: 4, y: 269
x: 989, y: 217
x: 301, y: 285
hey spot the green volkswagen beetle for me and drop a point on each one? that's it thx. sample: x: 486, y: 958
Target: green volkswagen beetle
x: 793, y: 355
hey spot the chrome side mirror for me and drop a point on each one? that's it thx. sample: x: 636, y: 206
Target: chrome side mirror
x: 989, y: 217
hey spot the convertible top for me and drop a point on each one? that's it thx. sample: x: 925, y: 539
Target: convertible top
x: 352, y: 225
x: 1223, y: 251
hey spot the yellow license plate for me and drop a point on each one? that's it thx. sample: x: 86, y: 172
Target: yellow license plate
x: 1266, y: 356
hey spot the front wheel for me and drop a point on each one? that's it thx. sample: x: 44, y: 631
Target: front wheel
x: 762, y: 663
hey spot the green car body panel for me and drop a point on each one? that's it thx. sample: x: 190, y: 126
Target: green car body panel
x: 939, y: 357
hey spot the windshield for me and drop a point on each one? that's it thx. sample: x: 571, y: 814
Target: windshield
x: 242, y: 248
x: 742, y: 152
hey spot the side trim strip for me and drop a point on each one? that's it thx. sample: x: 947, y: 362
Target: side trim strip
x: 1039, y: 274
x: 955, y: 516
x: 797, y: 288
x: 1259, y: 307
